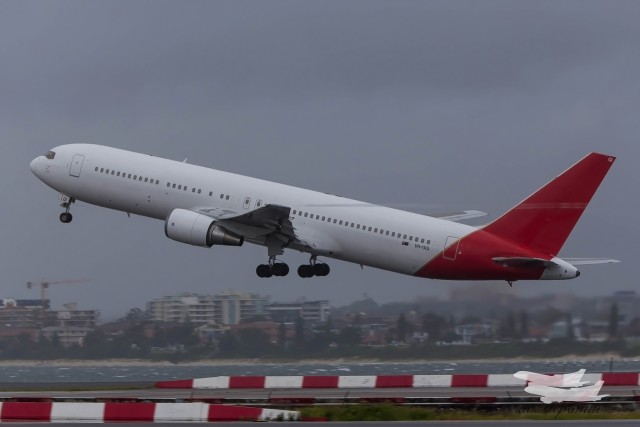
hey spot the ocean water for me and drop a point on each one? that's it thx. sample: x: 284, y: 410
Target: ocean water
x: 42, y: 373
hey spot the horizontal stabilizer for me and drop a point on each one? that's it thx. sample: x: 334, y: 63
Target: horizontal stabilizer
x: 458, y: 216
x: 523, y: 262
x: 588, y: 261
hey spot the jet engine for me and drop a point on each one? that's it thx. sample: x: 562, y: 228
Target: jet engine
x: 190, y: 227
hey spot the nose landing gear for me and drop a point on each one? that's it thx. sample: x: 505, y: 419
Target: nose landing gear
x: 66, y: 217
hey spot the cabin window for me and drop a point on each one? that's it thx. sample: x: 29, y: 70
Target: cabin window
x: 113, y: 172
x: 323, y: 218
x: 222, y: 196
x: 101, y: 170
x: 173, y: 185
x: 306, y: 214
x: 180, y: 187
x: 146, y: 180
x: 193, y: 190
x: 227, y: 197
x: 210, y: 193
x: 168, y: 184
x: 199, y: 191
x: 140, y: 178
x: 421, y: 240
x: 335, y: 220
x: 294, y: 211
x: 404, y: 237
x: 96, y: 169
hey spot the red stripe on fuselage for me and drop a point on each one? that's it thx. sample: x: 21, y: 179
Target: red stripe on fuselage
x: 474, y: 260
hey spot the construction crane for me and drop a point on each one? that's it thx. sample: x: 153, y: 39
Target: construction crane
x: 44, y: 285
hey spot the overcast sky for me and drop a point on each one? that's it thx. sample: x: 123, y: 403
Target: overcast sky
x: 425, y: 105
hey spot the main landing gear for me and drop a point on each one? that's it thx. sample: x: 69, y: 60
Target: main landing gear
x: 66, y: 217
x: 274, y: 268
x: 314, y: 268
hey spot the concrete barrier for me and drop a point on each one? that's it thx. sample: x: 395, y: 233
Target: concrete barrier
x: 137, y: 412
x: 381, y: 381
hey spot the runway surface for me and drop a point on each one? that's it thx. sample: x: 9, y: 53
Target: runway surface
x: 153, y: 393
x: 519, y: 423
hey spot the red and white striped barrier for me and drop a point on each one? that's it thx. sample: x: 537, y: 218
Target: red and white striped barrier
x: 381, y: 381
x: 139, y: 412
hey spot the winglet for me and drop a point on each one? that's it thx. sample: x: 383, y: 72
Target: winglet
x: 545, y: 219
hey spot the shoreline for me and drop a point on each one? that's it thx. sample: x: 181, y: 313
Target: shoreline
x: 601, y: 357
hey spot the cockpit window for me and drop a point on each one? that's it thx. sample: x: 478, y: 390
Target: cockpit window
x: 50, y: 155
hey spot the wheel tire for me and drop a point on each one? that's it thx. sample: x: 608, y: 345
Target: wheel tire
x: 321, y: 269
x: 280, y: 269
x: 65, y: 217
x: 326, y: 270
x: 305, y: 271
x: 263, y: 270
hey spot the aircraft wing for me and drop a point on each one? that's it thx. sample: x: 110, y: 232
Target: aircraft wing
x: 587, y: 261
x: 458, y: 216
x: 267, y: 220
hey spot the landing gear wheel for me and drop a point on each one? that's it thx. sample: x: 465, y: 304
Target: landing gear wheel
x: 264, y: 270
x: 280, y: 269
x: 321, y: 269
x: 305, y: 271
x: 66, y: 217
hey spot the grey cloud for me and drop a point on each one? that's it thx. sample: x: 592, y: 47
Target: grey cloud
x: 431, y: 105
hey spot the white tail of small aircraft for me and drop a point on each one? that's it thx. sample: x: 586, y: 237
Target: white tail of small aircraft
x: 576, y: 394
x: 556, y: 380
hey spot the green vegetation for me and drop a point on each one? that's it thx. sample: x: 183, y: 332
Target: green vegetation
x: 411, y: 413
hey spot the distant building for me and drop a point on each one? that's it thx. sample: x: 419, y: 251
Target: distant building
x: 71, y: 316
x: 29, y: 314
x: 228, y: 308
x: 474, y: 332
x: 311, y: 311
x: 66, y: 336
x: 628, y: 303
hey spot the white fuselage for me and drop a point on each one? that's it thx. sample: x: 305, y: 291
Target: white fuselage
x: 341, y: 228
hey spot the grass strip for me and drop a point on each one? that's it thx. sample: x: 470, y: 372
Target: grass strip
x: 388, y: 412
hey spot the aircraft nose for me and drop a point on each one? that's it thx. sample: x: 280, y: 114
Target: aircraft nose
x: 34, y: 165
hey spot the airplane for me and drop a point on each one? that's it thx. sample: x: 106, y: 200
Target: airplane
x: 206, y: 207
x: 576, y: 394
x: 557, y: 380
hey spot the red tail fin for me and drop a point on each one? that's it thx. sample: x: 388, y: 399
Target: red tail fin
x: 545, y: 219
